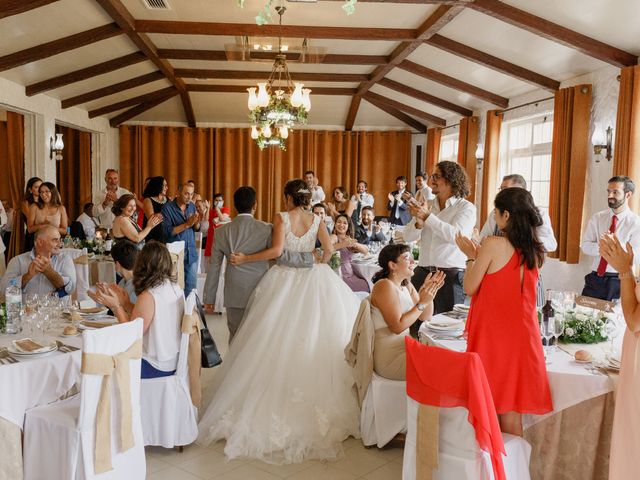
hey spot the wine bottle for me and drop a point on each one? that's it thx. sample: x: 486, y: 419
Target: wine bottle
x: 108, y: 242
x: 548, y: 312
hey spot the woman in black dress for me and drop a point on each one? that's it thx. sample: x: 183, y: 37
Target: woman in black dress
x: 155, y: 196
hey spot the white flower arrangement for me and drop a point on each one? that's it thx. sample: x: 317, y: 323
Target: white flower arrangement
x: 584, y: 325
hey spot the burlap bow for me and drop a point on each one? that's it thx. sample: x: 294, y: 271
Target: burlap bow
x: 191, y: 326
x: 81, y: 260
x: 106, y: 365
x: 428, y: 424
x: 178, y: 267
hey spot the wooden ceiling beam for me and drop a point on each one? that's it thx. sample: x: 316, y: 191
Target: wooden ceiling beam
x: 440, y: 122
x: 243, y: 89
x: 251, y: 75
x: 116, y: 10
x: 425, y: 97
x: 403, y: 117
x: 165, y: 92
x: 221, y: 56
x: 353, y: 112
x: 143, y: 107
x: 554, y: 32
x: 15, y: 7
x: 414, y: 2
x: 85, y: 73
x: 111, y: 89
x: 454, y: 83
x: 493, y: 63
x: 56, y: 47
x: 284, y: 31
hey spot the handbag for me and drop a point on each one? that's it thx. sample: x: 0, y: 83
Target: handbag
x: 209, y: 351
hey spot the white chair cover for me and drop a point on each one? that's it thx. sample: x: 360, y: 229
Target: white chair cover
x: 200, y: 249
x: 177, y: 248
x: 384, y: 412
x: 59, y: 438
x: 82, y: 272
x: 168, y: 416
x: 459, y: 455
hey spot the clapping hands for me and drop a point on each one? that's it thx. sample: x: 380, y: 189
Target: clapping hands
x: 107, y: 295
x: 421, y: 212
x: 469, y: 247
x: 612, y: 251
x: 155, y: 219
x: 430, y: 286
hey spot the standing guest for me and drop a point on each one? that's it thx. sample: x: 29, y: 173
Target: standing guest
x: 436, y: 225
x: 341, y: 203
x: 218, y: 215
x: 368, y: 231
x: 155, y: 196
x: 7, y: 227
x: 423, y: 190
x: 44, y: 269
x: 88, y: 222
x: 317, y: 193
x: 362, y: 199
x: 344, y: 242
x: 625, y: 438
x: 124, y: 226
x: 196, y: 196
x: 31, y: 195
x: 603, y: 281
x: 180, y: 222
x: 202, y: 207
x: 503, y: 323
x: 48, y: 210
x: 3, y: 222
x: 103, y: 200
x: 398, y: 211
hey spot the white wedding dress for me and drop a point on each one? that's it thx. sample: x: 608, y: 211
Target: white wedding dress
x: 283, y: 393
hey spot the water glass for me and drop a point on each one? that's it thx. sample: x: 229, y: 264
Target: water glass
x: 558, y: 330
x: 547, y: 331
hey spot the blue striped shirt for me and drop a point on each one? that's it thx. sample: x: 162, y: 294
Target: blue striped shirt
x: 172, y: 216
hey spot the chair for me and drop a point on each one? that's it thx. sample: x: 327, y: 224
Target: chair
x: 75, y: 439
x: 176, y: 249
x: 76, y: 229
x: 459, y: 454
x: 169, y: 417
x: 384, y: 411
x: 81, y: 263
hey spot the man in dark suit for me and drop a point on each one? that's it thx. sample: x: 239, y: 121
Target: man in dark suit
x: 367, y: 232
x: 398, y: 211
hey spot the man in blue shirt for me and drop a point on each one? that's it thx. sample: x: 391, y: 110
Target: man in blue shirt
x: 180, y: 222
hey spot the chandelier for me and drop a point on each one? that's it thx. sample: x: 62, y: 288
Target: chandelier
x: 279, y: 104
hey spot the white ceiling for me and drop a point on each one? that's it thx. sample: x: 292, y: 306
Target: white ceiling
x: 615, y: 23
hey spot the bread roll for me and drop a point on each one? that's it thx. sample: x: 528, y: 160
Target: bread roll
x: 583, y: 356
x: 70, y: 330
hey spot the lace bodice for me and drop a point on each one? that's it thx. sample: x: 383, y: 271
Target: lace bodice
x: 305, y: 243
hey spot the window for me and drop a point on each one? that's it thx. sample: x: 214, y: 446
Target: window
x: 526, y: 150
x: 449, y: 147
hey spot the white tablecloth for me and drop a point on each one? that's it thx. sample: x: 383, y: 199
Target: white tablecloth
x: 366, y: 270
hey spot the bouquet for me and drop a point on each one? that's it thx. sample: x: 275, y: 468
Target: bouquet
x: 335, y: 261
x: 3, y: 317
x: 584, y: 325
x: 415, y: 251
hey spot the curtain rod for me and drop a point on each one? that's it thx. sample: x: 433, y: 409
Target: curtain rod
x: 535, y: 102
x: 450, y: 126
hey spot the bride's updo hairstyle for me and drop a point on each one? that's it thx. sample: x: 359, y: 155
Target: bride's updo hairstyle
x: 298, y: 191
x: 390, y: 253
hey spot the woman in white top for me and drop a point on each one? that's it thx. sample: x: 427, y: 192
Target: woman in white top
x: 396, y: 305
x: 160, y: 304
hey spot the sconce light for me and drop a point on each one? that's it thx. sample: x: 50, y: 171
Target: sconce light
x: 602, y: 139
x: 480, y: 153
x: 55, y: 147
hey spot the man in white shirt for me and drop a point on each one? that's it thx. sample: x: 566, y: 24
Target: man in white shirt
x: 603, y: 281
x: 423, y: 190
x: 435, y: 226
x: 398, y: 212
x: 317, y: 193
x: 362, y: 199
x: 89, y: 224
x: 103, y: 200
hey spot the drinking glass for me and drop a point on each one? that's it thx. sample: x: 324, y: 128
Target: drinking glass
x: 546, y: 331
x: 558, y: 330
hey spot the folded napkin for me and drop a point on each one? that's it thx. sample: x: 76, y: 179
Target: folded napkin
x: 92, y: 324
x: 442, y: 320
x: 29, y: 346
x: 92, y: 310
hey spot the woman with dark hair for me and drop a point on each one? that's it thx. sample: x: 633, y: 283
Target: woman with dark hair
x: 218, y: 215
x: 341, y: 203
x: 284, y: 394
x: 160, y: 304
x: 396, y: 305
x: 124, y: 227
x: 30, y: 198
x: 502, y: 275
x: 344, y: 242
x: 155, y: 196
x: 48, y: 210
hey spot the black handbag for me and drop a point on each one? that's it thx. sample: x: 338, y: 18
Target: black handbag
x: 210, y: 355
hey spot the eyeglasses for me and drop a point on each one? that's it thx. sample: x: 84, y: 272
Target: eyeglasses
x: 435, y: 176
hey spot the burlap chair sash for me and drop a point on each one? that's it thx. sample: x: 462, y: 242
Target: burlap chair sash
x: 107, y: 366
x: 81, y: 260
x: 191, y: 326
x: 427, y: 441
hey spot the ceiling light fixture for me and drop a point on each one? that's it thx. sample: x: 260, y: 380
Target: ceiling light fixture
x: 55, y: 147
x: 265, y: 17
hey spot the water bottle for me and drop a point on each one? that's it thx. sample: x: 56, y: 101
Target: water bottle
x: 13, y: 299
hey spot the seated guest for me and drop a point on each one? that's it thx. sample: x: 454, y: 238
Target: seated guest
x: 341, y: 203
x: 48, y: 210
x: 89, y: 224
x: 155, y: 196
x: 160, y: 304
x: 44, y: 269
x: 368, y: 231
x: 3, y: 222
x: 343, y: 242
x: 395, y: 306
x: 217, y: 216
x: 124, y: 255
x: 124, y: 227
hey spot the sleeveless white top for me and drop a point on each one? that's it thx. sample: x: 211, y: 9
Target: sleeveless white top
x: 406, y: 304
x: 305, y: 243
x: 161, y: 342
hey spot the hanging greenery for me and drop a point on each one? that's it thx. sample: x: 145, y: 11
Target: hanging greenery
x: 264, y: 16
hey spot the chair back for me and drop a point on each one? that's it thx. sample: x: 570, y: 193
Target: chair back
x: 81, y: 264
x: 189, y: 308
x: 176, y: 249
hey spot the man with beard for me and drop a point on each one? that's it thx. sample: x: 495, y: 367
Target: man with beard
x: 367, y: 231
x: 603, y: 281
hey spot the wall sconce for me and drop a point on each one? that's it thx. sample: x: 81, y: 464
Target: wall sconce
x: 602, y: 139
x: 480, y: 153
x: 55, y: 147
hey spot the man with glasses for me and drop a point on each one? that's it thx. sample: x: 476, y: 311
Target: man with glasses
x: 44, y: 269
x: 435, y: 226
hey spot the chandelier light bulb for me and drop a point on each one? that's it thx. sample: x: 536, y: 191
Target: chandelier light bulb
x: 263, y: 96
x: 296, y: 96
x: 252, y: 103
x: 267, y: 131
x: 254, y: 132
x: 306, y: 101
x: 284, y: 131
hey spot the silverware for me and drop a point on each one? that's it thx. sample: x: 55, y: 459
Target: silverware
x: 5, y: 357
x: 65, y: 348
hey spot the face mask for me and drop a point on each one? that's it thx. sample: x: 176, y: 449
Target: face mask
x: 218, y: 204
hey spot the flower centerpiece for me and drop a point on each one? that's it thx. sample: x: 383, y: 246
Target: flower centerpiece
x: 3, y: 317
x: 584, y: 325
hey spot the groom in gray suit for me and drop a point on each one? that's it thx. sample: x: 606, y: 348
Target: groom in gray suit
x: 247, y: 235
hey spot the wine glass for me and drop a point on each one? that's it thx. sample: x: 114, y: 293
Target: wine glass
x: 546, y: 331
x: 558, y: 330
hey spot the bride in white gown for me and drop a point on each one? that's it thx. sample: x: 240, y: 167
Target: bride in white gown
x: 283, y: 393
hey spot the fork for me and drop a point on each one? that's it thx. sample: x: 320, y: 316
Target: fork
x: 5, y: 357
x: 65, y: 348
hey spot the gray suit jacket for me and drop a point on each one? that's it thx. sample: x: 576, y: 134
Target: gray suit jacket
x: 247, y: 235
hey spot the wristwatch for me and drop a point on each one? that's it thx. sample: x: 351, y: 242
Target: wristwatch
x: 421, y: 306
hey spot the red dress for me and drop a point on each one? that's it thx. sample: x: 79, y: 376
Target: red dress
x: 503, y: 329
x: 212, y: 228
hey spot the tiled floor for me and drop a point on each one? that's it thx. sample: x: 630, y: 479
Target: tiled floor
x: 197, y: 463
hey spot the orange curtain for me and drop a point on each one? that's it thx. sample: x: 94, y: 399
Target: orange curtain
x: 12, y: 164
x: 73, y: 172
x: 467, y: 145
x: 569, y: 157
x: 627, y: 148
x: 227, y: 158
x: 433, y: 149
x: 491, y: 163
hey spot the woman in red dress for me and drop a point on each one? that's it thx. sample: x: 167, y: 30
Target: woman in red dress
x: 218, y: 216
x: 502, y: 328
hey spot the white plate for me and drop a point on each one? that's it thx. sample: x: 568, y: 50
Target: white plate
x: 52, y: 347
x: 447, y: 328
x: 461, y: 306
x: 70, y: 336
x: 93, y: 314
x: 583, y: 361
